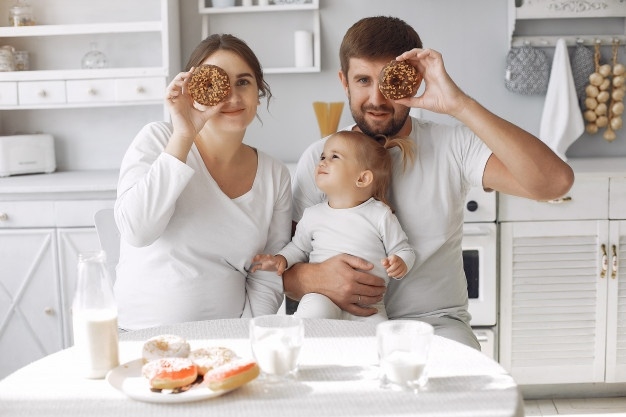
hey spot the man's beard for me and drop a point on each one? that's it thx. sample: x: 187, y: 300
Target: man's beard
x: 390, y: 129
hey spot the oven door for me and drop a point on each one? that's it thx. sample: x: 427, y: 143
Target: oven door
x: 479, y: 262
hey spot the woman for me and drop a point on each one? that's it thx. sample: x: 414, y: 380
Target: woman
x: 195, y: 204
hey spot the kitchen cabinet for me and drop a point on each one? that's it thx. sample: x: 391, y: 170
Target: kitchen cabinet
x: 57, y: 96
x: 272, y: 42
x: 563, y: 281
x: 45, y: 222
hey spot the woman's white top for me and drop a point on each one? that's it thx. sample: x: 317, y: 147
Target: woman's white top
x: 186, y: 246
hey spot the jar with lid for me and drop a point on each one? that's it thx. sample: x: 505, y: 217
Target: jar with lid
x: 7, y: 58
x: 21, y: 14
x: 94, y: 317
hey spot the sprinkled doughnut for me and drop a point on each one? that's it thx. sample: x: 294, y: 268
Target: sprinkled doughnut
x: 165, y: 346
x: 169, y: 373
x: 209, y: 84
x: 399, y: 79
x: 208, y: 358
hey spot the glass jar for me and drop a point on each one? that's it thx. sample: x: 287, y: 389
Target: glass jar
x: 94, y: 59
x: 21, y: 14
x: 7, y: 58
x: 94, y: 317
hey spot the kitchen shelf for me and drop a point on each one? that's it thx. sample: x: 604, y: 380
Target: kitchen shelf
x: 82, y: 74
x: 311, y: 7
x: 80, y: 29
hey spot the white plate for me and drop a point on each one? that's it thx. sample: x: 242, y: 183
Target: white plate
x: 128, y: 379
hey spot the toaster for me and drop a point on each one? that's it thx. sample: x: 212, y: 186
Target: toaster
x: 26, y: 154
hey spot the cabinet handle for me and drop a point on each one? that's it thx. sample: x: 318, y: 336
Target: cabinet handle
x: 140, y: 90
x: 92, y: 92
x: 42, y: 93
x: 49, y: 311
x: 4, y: 217
x: 560, y: 200
x: 614, y: 262
x: 605, y: 262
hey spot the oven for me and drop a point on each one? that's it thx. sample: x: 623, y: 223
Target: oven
x: 480, y: 265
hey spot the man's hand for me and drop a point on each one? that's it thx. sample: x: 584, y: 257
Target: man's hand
x: 340, y: 278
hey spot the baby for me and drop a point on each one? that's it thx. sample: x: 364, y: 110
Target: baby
x: 355, y: 173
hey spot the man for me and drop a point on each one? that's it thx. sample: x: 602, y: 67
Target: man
x: 429, y: 195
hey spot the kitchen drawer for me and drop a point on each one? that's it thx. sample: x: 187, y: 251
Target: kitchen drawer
x: 140, y: 89
x: 90, y: 91
x: 617, y: 199
x: 22, y: 214
x: 8, y: 94
x: 41, y: 92
x: 79, y: 213
x: 588, y: 199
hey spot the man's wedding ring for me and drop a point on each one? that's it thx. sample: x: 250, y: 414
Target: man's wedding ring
x: 359, y: 300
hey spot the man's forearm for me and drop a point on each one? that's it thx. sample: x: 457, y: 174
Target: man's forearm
x: 294, y: 281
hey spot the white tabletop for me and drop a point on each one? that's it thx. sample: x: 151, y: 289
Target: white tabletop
x: 338, y: 377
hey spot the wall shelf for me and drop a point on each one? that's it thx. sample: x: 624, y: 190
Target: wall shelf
x: 574, y: 12
x: 263, y: 45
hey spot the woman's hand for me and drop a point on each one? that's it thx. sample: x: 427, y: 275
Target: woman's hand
x: 441, y: 94
x: 188, y: 117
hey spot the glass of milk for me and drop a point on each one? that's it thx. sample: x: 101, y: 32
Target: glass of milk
x: 276, y: 341
x: 403, y: 347
x: 94, y: 317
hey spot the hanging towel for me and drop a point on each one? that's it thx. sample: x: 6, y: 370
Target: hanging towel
x: 562, y: 121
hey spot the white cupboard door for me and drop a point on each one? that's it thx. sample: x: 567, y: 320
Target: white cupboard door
x: 72, y: 241
x: 616, y: 311
x: 553, y: 301
x: 30, y: 316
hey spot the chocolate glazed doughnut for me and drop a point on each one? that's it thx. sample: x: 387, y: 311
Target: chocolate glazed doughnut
x: 209, y: 84
x: 399, y: 79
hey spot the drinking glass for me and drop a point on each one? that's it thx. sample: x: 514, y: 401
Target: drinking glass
x: 403, y: 347
x: 276, y: 341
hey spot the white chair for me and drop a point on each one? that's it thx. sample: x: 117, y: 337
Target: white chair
x: 109, y: 237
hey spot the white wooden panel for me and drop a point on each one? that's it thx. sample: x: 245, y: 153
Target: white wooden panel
x: 140, y: 89
x: 586, y: 200
x: 78, y: 213
x: 26, y: 214
x: 616, y: 311
x: 41, y: 92
x: 617, y: 199
x: 90, y: 91
x: 8, y: 94
x: 30, y: 313
x: 552, y: 297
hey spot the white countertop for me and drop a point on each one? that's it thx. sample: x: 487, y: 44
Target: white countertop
x: 599, y: 166
x: 89, y: 184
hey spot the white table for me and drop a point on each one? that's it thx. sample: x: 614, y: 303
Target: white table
x: 338, y: 377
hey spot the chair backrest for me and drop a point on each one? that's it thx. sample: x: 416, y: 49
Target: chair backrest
x: 109, y: 237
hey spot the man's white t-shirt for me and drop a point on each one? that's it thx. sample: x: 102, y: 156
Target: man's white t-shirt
x: 429, y: 199
x: 186, y: 246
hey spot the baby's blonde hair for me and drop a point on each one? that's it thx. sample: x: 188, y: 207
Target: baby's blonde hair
x: 372, y: 154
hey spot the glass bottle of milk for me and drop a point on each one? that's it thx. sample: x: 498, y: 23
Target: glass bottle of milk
x: 94, y: 317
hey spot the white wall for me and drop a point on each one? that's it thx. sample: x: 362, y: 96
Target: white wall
x: 471, y: 35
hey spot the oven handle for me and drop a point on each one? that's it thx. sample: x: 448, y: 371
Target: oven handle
x: 476, y: 231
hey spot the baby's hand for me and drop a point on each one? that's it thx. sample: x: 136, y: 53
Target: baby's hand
x: 265, y: 262
x: 395, y: 266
